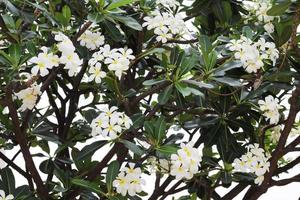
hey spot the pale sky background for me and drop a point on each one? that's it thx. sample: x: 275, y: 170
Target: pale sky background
x: 289, y: 192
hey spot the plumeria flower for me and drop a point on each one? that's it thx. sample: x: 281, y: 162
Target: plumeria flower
x: 65, y: 44
x: 163, y: 34
x: 122, y: 184
x: 91, y: 40
x: 96, y: 73
x: 4, y: 197
x: 111, y: 130
x: 254, y: 161
x: 43, y: 62
x: 29, y: 97
x: 129, y: 181
x: 126, y: 53
x: 270, y: 108
x: 72, y: 62
x: 110, y: 123
x: 186, y: 162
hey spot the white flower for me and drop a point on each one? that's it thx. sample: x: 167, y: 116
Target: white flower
x: 270, y: 108
x: 129, y: 180
x: 72, y: 62
x: 259, y: 180
x: 91, y: 40
x: 126, y: 53
x: 269, y: 27
x: 44, y: 62
x: 253, y: 54
x: 65, y: 45
x: 163, y: 34
x: 96, y: 73
x: 186, y: 162
x: 29, y: 97
x: 165, y: 24
x: 4, y: 197
x: 254, y: 161
x: 110, y: 123
x: 122, y: 184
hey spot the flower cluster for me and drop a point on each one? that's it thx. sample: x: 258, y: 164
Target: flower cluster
x: 43, y: 62
x: 170, y: 3
x: 110, y: 123
x: 186, y: 162
x: 91, y: 40
x: 129, y: 180
x: 165, y: 25
x: 270, y: 108
x: 69, y: 57
x: 4, y: 197
x: 258, y: 9
x: 254, y: 161
x: 117, y: 60
x: 29, y: 97
x: 253, y: 54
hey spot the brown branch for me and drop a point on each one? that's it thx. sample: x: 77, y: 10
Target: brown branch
x: 17, y: 168
x: 287, y: 166
x: 82, y: 30
x: 254, y: 192
x: 287, y: 181
x: 183, y: 41
x: 161, y: 190
x: 22, y: 141
x: 234, y: 192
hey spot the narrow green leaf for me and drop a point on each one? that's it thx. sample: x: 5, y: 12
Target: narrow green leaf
x: 89, y: 150
x: 133, y: 147
x: 118, y: 3
x: 8, y: 180
x: 91, y: 186
x: 165, y: 95
x: 160, y: 129
x: 167, y: 149
x: 112, y: 172
x: 279, y: 9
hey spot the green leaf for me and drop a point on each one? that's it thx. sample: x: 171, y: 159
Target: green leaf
x: 228, y: 81
x: 183, y: 89
x: 95, y: 17
x: 153, y: 82
x: 128, y: 21
x: 8, y: 180
x: 187, y: 64
x: 199, y: 84
x: 133, y: 147
x: 114, y: 33
x: 67, y: 13
x: 164, y: 96
x: 138, y: 120
x: 15, y: 53
x: 167, y: 149
x: 118, y: 3
x: 112, y: 173
x: 90, y: 186
x: 220, y: 71
x: 90, y: 149
x: 279, y: 9
x: 160, y: 129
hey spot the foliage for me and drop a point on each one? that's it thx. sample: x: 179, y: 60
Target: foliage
x: 120, y: 90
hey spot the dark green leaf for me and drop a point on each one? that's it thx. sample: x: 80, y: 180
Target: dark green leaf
x: 164, y: 96
x: 112, y: 173
x: 8, y: 180
x: 88, y: 151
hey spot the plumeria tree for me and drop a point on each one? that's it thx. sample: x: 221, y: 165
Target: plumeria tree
x: 148, y: 99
